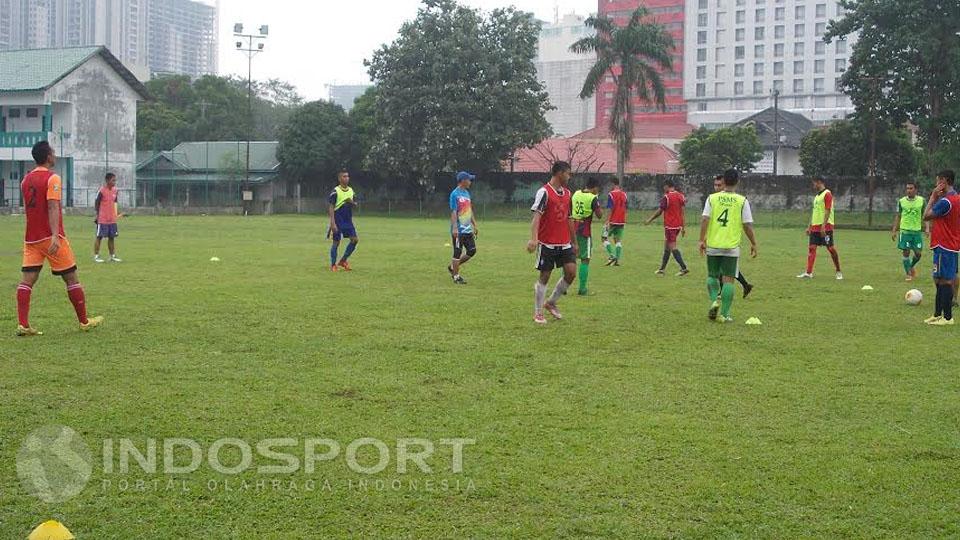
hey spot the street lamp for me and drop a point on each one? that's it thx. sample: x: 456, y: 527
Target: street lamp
x: 253, y: 45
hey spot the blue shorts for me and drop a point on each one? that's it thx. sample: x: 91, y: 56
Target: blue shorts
x: 944, y: 264
x: 107, y: 231
x: 344, y: 231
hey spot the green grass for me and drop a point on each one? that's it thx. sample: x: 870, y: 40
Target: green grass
x: 633, y: 417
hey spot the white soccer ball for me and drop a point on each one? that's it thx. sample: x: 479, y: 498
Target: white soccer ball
x: 913, y: 297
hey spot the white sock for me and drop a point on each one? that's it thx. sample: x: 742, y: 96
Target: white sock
x: 561, y: 288
x: 540, y: 294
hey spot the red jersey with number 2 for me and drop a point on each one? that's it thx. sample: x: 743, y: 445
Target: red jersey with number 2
x: 38, y: 187
x: 617, y: 204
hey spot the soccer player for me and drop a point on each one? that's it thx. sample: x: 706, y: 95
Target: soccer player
x: 821, y: 230
x: 909, y: 223
x: 551, y: 231
x: 106, y: 207
x: 463, y: 226
x: 341, y: 221
x: 944, y: 211
x: 726, y: 216
x: 671, y: 208
x: 747, y: 286
x: 616, y: 222
x: 45, y: 240
x: 586, y: 206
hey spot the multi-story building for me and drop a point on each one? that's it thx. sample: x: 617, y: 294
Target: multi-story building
x: 182, y: 37
x: 563, y: 72
x: 345, y: 95
x: 740, y: 52
x: 670, y: 14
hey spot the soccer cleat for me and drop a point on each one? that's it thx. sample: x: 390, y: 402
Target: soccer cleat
x: 932, y: 320
x: 97, y: 259
x: 616, y: 262
x: 726, y: 320
x: 909, y: 278
x: 805, y: 275
x: 459, y: 280
x: 660, y: 273
x: 747, y: 289
x: 584, y: 292
x: 27, y: 332
x: 942, y: 322
x: 92, y: 323
x: 683, y: 272
x: 539, y: 319
x: 333, y: 268
x: 114, y: 258
x: 553, y: 311
x: 610, y: 261
x: 839, y: 276
x: 345, y: 265
x: 714, y: 310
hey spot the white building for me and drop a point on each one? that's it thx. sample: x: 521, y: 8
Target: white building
x: 739, y: 52
x: 562, y: 73
x: 84, y: 102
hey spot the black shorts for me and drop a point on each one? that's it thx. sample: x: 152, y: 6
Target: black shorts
x: 818, y: 239
x: 549, y: 258
x: 464, y: 242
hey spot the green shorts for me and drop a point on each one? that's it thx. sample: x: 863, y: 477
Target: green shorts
x: 614, y: 231
x: 585, y: 245
x: 720, y: 267
x: 910, y: 240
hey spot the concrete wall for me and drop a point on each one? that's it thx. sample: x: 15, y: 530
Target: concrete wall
x: 102, y: 128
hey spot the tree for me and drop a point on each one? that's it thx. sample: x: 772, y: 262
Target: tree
x: 315, y: 142
x: 707, y: 153
x: 363, y: 119
x: 457, y: 90
x: 583, y: 156
x: 905, y: 65
x: 842, y: 149
x: 631, y: 55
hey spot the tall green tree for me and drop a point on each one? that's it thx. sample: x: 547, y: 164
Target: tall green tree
x: 363, y: 119
x: 457, y: 89
x: 709, y: 152
x: 315, y: 142
x: 842, y: 149
x: 905, y: 65
x: 632, y: 55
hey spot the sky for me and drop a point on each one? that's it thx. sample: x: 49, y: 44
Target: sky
x: 316, y: 43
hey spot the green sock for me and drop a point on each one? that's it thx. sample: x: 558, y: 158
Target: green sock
x: 726, y: 296
x: 609, y: 247
x: 907, y: 264
x: 584, y: 273
x: 713, y: 288
x: 619, y: 251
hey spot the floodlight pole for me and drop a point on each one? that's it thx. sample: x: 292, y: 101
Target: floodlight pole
x: 251, y: 48
x: 776, y: 129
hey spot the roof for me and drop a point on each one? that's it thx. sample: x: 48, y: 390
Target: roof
x: 34, y: 70
x: 642, y: 130
x: 206, y: 156
x: 595, y: 157
x: 793, y: 127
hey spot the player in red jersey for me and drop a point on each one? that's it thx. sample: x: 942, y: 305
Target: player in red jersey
x: 671, y: 208
x: 551, y: 236
x: 616, y: 223
x: 45, y: 241
x: 944, y: 211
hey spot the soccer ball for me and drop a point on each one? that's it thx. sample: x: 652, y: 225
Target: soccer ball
x: 913, y: 297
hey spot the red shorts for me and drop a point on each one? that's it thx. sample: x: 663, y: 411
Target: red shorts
x: 671, y: 235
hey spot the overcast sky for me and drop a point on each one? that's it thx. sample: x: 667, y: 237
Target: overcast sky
x: 320, y: 42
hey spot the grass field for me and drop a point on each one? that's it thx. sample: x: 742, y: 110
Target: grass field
x: 634, y: 417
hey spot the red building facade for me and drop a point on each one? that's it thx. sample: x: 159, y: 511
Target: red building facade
x: 668, y: 13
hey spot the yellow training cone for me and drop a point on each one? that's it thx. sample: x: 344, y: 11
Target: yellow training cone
x: 753, y: 321
x: 867, y: 288
x: 51, y: 530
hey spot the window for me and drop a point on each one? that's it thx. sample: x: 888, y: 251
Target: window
x: 738, y: 70
x: 741, y: 17
x: 758, y: 51
x: 720, y: 35
x: 13, y: 113
x: 701, y: 55
x: 702, y: 19
x: 718, y: 70
x: 838, y: 84
x: 758, y: 33
x: 738, y: 88
x: 778, y: 68
x: 32, y: 112
x: 840, y: 65
x: 778, y: 50
x: 757, y: 88
x: 797, y: 86
x: 701, y: 90
x: 720, y: 16
x: 798, y: 67
x: 820, y: 47
x: 819, y: 66
x: 821, y: 11
x: 778, y: 14
x: 701, y: 107
x: 741, y: 34
x: 720, y: 51
x: 758, y: 69
x: 703, y: 4
x: 701, y: 37
x: 798, y: 49
x: 820, y: 29
x: 778, y: 85
x: 841, y: 46
x: 701, y: 72
x: 799, y: 30
x: 760, y: 15
x: 739, y: 53
x: 799, y: 12
x: 718, y: 88
x: 778, y: 31
x: 818, y: 85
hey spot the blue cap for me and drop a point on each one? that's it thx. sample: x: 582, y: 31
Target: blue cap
x: 463, y: 175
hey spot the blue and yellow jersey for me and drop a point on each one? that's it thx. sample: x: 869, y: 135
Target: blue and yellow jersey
x: 342, y: 212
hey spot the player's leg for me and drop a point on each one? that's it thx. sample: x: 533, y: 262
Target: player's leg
x: 815, y: 241
x: 618, y: 250
x: 713, y: 285
x: 454, y: 267
x: 948, y: 275
x: 907, y: 265
x: 728, y: 289
x: 334, y: 248
x: 568, y: 261
x: 64, y: 265
x: 470, y: 247
x: 586, y: 247
x: 545, y: 265
x: 607, y: 245
x: 112, y: 242
x: 677, y: 256
x: 28, y: 279
x: 666, y: 253
x: 351, y: 247
x: 96, y: 247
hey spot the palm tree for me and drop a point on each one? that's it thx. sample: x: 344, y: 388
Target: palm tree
x: 637, y: 49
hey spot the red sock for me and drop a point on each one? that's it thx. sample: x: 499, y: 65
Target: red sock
x: 23, y: 304
x: 811, y: 259
x: 835, y: 256
x: 75, y: 292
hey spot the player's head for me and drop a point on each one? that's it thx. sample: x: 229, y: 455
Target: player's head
x: 465, y: 179
x: 562, y: 172
x: 110, y: 179
x: 818, y: 183
x: 593, y: 185
x: 911, y: 189
x: 669, y: 186
x: 731, y: 178
x: 718, y: 182
x: 43, y: 154
x: 947, y: 177
x: 615, y: 182
x: 344, y: 178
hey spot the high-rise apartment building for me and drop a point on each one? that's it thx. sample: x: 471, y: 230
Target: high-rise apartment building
x: 182, y: 37
x: 563, y: 73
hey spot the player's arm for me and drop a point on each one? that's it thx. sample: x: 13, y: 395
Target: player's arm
x: 936, y: 208
x: 609, y: 207
x: 704, y: 225
x: 828, y: 208
x: 597, y: 210
x: 748, y: 230
x: 660, y: 210
x: 572, y: 226
x: 896, y: 224
x: 96, y: 207
x: 53, y: 216
x: 534, y: 231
